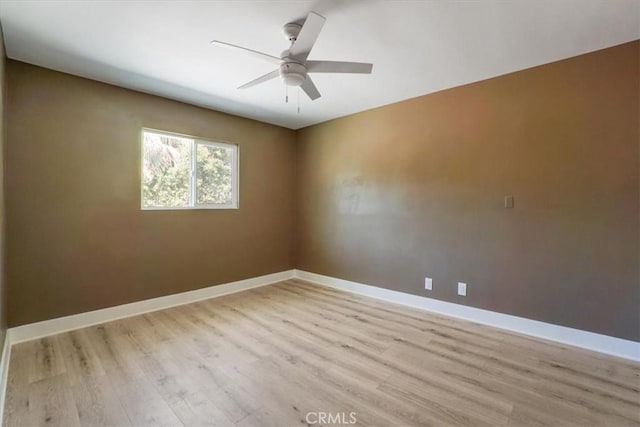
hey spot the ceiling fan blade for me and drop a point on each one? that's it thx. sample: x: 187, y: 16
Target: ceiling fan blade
x: 254, y: 53
x: 338, y: 67
x: 310, y: 89
x: 307, y: 37
x: 272, y: 75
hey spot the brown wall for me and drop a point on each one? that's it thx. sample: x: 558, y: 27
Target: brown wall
x: 415, y: 189
x: 3, y: 293
x: 77, y: 239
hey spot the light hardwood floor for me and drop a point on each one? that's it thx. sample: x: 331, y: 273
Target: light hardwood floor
x: 270, y: 356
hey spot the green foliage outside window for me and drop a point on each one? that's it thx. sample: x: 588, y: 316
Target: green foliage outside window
x: 166, y: 171
x: 214, y: 172
x: 167, y: 165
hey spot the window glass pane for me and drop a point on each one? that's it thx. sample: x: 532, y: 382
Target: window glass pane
x: 165, y: 175
x: 214, y: 174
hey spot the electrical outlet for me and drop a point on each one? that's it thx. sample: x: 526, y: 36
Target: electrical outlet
x: 428, y: 283
x: 508, y: 202
x: 462, y: 289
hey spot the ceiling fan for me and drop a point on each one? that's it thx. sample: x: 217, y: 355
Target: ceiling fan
x: 293, y: 64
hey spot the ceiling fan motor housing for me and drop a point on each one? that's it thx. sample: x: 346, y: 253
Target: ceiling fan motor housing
x: 291, y: 31
x: 293, y: 73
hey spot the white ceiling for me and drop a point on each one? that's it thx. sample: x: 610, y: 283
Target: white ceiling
x: 417, y: 47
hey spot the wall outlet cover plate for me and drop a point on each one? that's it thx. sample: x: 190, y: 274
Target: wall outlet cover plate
x: 462, y: 289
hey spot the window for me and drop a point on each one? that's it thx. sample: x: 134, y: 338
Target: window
x: 179, y: 172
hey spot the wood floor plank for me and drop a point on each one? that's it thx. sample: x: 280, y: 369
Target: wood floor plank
x: 46, y: 359
x: 80, y: 359
x: 143, y: 404
x: 288, y: 400
x: 98, y: 404
x: 116, y: 356
x: 17, y: 394
x: 51, y: 403
x: 282, y: 354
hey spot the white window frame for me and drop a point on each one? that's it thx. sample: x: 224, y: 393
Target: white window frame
x: 195, y: 141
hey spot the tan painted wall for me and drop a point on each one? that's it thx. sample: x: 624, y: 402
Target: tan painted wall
x: 3, y: 292
x: 415, y: 189
x: 77, y: 239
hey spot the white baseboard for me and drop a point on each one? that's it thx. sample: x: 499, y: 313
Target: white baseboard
x: 589, y: 340
x: 4, y: 371
x: 596, y: 342
x: 76, y: 321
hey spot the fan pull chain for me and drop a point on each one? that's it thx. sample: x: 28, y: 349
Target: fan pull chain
x: 286, y: 94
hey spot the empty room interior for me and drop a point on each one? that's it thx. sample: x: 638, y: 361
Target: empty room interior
x: 320, y: 212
